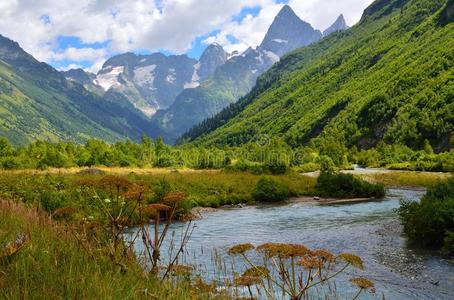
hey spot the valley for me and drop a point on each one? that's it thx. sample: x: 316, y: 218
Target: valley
x: 167, y: 164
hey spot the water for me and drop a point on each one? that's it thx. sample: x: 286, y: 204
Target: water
x: 368, y: 229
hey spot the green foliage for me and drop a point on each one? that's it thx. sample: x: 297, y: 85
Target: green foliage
x: 347, y: 186
x: 386, y: 79
x: 269, y: 190
x: 430, y: 223
x: 58, y: 261
x: 38, y: 103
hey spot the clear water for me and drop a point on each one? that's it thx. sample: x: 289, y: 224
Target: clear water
x: 352, y: 227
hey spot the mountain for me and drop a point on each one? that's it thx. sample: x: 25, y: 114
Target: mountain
x: 229, y: 82
x: 84, y: 78
x: 38, y: 102
x: 288, y: 32
x: 235, y: 78
x: 151, y: 82
x: 387, y: 79
x: 338, y: 25
x: 213, y: 57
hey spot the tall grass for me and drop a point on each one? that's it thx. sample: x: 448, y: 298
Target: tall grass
x: 54, y: 265
x: 406, y: 178
x: 207, y: 188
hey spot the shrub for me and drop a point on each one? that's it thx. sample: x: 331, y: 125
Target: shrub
x: 277, y: 167
x: 247, y: 166
x: 430, y: 223
x: 269, y: 190
x: 340, y: 185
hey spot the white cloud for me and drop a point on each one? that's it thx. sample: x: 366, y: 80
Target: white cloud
x: 142, y: 24
x: 321, y: 14
x: 79, y: 54
x: 250, y: 31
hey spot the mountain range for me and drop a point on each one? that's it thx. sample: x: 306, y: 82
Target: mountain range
x: 178, y: 92
x: 387, y: 79
x: 38, y: 102
x: 236, y: 77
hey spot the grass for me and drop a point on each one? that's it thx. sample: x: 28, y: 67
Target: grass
x: 52, y: 191
x: 406, y: 178
x: 53, y: 265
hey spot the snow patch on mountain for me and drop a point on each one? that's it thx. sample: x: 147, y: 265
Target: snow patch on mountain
x: 171, y: 77
x: 144, y: 75
x: 109, y: 78
x: 195, y: 80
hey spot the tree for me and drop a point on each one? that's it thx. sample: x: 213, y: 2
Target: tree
x: 6, y: 148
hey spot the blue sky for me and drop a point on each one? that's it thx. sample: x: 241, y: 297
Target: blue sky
x: 196, y: 50
x: 75, y: 33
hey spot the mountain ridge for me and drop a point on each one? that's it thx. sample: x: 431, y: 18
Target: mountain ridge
x: 235, y: 78
x: 337, y: 88
x: 37, y: 102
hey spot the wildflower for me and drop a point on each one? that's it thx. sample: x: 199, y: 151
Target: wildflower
x: 362, y: 283
x: 352, y: 259
x: 324, y: 255
x: 153, y: 210
x: 283, y: 250
x: 257, y: 271
x: 115, y: 181
x: 247, y: 280
x: 297, y: 250
x: 174, y: 197
x: 240, y: 249
x: 136, y: 192
x: 273, y: 249
x: 310, y: 262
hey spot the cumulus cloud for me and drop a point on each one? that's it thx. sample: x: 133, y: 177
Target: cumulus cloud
x: 321, y: 14
x: 80, y: 54
x: 173, y: 25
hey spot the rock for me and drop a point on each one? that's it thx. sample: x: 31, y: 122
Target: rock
x: 435, y: 282
x: 91, y: 171
x: 338, y: 25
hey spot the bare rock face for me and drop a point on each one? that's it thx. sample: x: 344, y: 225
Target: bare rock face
x: 289, y: 32
x: 338, y: 25
x: 213, y: 57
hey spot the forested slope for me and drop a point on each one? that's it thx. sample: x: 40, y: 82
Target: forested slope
x: 37, y: 102
x: 389, y: 78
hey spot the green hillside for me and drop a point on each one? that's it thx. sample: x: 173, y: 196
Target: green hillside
x: 37, y: 102
x: 389, y: 78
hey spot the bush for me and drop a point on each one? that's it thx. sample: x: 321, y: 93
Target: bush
x: 430, y: 223
x: 247, y: 166
x: 277, y: 167
x: 270, y: 190
x: 340, y: 185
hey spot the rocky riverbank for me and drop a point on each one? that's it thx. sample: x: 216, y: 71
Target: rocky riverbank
x: 411, y: 263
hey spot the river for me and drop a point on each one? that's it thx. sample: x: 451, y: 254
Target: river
x: 368, y: 229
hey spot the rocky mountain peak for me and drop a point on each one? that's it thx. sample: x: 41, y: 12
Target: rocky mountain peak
x: 338, y: 25
x: 80, y: 76
x: 288, y: 32
x: 213, y: 57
